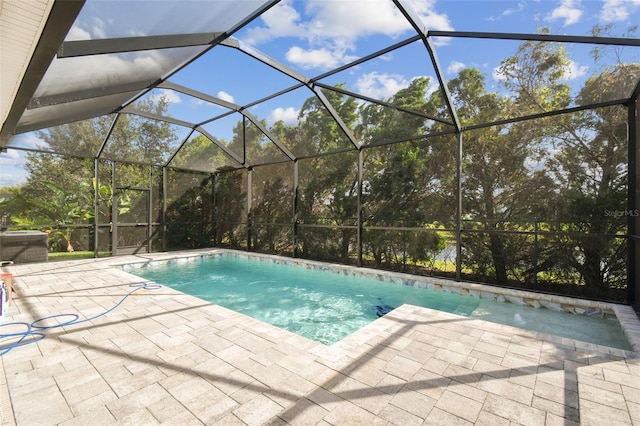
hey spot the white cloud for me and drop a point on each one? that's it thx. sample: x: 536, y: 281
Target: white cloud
x: 288, y: 116
x: 332, y: 29
x: 381, y: 86
x: 384, y: 86
x: 9, y: 158
x: 95, y: 29
x: 350, y: 20
x: 169, y: 95
x: 28, y: 140
x: 12, y: 170
x: 323, y: 58
x: 98, y: 28
x: 498, y: 75
x: 11, y: 178
x: 618, y: 10
x: 428, y: 15
x: 225, y: 96
x: 511, y: 11
x: 282, y: 20
x: 569, y: 11
x: 432, y: 87
x: 575, y: 70
x: 455, y: 67
x: 77, y: 33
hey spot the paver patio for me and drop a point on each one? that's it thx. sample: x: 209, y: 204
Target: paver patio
x: 163, y: 357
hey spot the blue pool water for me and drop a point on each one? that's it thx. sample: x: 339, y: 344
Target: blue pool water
x: 326, y: 306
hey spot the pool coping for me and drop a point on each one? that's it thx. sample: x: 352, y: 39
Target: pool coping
x: 625, y: 314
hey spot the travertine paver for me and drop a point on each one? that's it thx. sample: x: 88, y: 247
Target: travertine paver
x: 162, y: 357
x: 459, y: 405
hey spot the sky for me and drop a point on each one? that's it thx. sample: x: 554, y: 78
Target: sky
x: 314, y: 36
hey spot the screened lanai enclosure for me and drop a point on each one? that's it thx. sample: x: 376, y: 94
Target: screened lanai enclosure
x: 391, y: 134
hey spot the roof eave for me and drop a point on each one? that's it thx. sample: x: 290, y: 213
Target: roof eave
x: 61, y: 17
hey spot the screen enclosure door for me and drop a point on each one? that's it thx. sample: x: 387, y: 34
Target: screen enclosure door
x: 132, y: 231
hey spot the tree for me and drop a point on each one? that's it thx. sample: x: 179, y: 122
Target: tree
x: 492, y: 168
x: 402, y: 179
x: 58, y: 194
x: 591, y: 168
x: 535, y: 75
x: 139, y: 139
x: 328, y: 185
x: 501, y: 185
x: 59, y: 190
x: 574, y: 164
x: 272, y: 208
x: 201, y: 154
x: 190, y: 212
x: 230, y: 207
x: 503, y: 181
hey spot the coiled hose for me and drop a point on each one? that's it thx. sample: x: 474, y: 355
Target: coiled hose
x: 33, y: 332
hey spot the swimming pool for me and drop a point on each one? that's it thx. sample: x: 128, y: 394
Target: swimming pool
x: 327, y: 306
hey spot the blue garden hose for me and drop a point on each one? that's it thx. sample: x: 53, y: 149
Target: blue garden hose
x: 34, y: 332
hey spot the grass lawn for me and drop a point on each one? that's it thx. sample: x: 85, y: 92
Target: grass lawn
x: 59, y: 256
